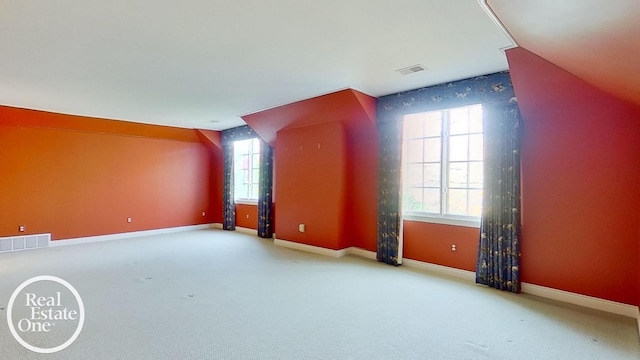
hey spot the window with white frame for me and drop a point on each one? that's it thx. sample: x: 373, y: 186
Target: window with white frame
x: 442, y: 165
x: 246, y: 169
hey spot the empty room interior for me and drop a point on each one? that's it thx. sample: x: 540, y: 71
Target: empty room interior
x: 320, y: 180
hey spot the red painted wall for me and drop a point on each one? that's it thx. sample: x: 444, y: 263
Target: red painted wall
x: 431, y: 243
x: 362, y: 187
x: 75, y: 183
x: 247, y: 216
x: 581, y: 177
x: 311, y: 184
x: 213, y: 141
x: 356, y: 112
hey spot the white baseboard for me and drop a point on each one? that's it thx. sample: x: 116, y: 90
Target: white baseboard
x: 245, y: 230
x: 92, y: 239
x: 310, y: 248
x: 327, y: 252
x: 537, y: 290
x: 355, y: 251
x: 217, y: 226
x: 470, y: 276
x: 581, y: 300
x: 441, y: 270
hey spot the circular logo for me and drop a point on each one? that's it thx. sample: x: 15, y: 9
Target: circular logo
x: 49, y: 314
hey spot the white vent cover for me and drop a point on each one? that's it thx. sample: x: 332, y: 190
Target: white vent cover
x: 411, y: 69
x: 25, y: 242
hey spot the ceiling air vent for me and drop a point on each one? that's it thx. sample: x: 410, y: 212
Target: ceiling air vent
x: 411, y: 69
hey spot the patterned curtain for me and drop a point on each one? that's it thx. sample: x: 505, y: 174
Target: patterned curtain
x: 389, y: 193
x: 498, y: 263
x: 265, y: 192
x: 228, y: 204
x: 487, y: 90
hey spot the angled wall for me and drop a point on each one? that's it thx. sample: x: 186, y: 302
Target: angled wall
x: 581, y: 183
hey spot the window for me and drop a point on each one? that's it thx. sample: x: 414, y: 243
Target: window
x: 246, y: 169
x: 442, y: 165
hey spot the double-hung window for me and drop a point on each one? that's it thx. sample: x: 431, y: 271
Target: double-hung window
x: 246, y: 170
x: 442, y: 166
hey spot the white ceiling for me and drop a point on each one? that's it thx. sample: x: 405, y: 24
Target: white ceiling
x: 595, y: 40
x: 203, y: 63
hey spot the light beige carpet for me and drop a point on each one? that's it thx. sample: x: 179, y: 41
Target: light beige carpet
x: 211, y: 294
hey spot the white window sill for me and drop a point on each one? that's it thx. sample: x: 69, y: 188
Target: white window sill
x: 443, y: 220
x: 245, y: 202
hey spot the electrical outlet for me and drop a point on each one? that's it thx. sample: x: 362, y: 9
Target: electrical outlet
x: 301, y: 228
x: 453, y: 247
x: 128, y: 219
x: 204, y: 213
x: 247, y: 216
x: 21, y: 228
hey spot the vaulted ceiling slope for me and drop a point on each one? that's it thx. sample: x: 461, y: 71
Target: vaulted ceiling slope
x: 596, y: 40
x: 205, y: 63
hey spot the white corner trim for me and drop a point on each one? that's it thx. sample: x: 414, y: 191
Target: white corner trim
x: 310, y: 248
x: 581, y: 300
x: 442, y: 270
x: 127, y: 235
x: 245, y: 230
x: 492, y: 15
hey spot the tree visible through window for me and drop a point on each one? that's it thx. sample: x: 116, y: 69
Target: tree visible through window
x: 246, y: 169
x: 442, y: 163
